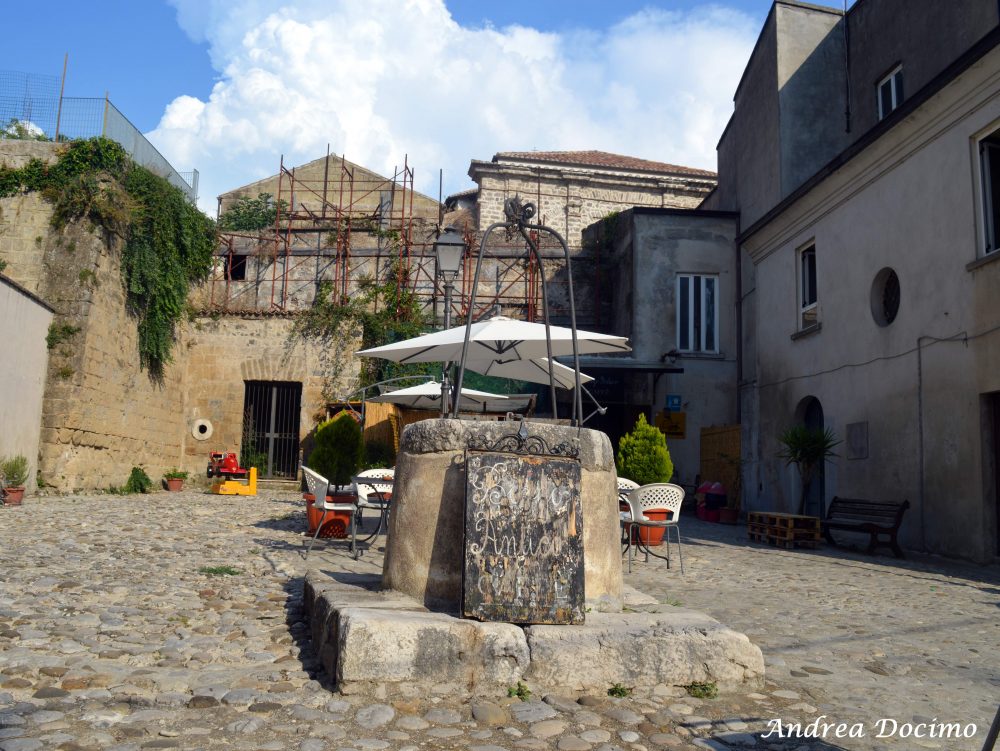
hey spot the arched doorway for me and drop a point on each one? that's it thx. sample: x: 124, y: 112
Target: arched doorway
x: 810, y: 414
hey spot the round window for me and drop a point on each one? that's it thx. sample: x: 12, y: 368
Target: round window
x: 885, y: 297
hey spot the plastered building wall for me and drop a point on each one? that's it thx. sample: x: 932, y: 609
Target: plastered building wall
x: 24, y: 322
x: 916, y: 385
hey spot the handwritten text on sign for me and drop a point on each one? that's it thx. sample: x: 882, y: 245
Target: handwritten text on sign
x: 523, y: 539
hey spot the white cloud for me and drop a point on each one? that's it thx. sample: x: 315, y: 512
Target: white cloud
x: 382, y: 79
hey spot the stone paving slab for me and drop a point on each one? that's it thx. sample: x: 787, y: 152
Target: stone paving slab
x: 113, y: 635
x: 854, y: 637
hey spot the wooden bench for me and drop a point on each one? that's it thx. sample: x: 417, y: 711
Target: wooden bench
x: 860, y: 515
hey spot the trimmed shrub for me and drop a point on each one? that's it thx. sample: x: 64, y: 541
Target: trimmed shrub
x: 643, y: 455
x: 339, y: 449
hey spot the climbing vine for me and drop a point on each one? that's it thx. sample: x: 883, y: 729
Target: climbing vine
x: 166, y: 242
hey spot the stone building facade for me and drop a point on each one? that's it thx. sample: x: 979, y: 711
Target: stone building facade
x: 102, y: 415
x: 340, y: 183
x: 573, y: 189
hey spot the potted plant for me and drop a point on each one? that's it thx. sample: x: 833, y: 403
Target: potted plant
x: 807, y: 449
x: 175, y: 479
x: 337, y: 456
x: 643, y: 457
x: 14, y: 471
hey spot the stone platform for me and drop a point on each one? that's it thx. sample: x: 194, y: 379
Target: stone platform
x: 385, y: 643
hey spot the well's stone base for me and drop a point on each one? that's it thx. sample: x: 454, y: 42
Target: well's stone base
x: 385, y: 643
x: 676, y: 647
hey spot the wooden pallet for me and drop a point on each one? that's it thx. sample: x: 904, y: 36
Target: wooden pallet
x: 779, y: 542
x: 784, y: 530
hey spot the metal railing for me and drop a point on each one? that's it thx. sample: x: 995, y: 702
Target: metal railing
x: 31, y: 104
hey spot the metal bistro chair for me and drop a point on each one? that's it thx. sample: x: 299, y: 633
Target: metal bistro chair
x: 318, y: 486
x: 659, y: 496
x: 373, y: 493
x: 625, y: 486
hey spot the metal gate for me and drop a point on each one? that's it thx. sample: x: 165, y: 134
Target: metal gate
x: 271, y: 428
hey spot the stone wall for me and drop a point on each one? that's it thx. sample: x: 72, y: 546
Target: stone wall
x: 24, y: 220
x: 221, y: 354
x: 101, y: 414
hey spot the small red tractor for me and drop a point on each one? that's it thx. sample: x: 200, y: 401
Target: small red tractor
x: 227, y: 465
x: 233, y: 479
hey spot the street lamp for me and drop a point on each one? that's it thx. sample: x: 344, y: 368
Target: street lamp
x: 449, y: 251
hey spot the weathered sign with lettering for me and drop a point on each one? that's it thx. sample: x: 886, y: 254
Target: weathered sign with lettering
x: 523, y: 539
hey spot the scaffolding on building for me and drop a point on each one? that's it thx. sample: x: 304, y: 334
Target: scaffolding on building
x: 349, y: 225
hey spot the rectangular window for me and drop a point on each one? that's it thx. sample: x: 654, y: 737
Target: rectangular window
x: 890, y: 92
x: 989, y: 166
x: 697, y: 313
x: 809, y: 303
x: 236, y: 267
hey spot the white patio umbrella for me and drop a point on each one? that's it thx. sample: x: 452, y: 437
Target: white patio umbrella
x: 533, y: 371
x: 497, y: 338
x: 428, y: 396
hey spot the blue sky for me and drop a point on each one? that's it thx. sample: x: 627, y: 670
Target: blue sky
x: 138, y: 51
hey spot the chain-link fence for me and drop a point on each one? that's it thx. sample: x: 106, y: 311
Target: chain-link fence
x: 30, y: 107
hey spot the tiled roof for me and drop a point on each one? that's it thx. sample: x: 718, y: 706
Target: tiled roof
x: 600, y: 159
x: 463, y: 193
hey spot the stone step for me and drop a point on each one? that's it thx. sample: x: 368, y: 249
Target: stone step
x: 277, y: 485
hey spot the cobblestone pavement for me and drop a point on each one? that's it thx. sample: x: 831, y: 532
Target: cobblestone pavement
x: 174, y: 621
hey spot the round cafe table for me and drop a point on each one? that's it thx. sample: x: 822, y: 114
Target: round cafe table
x: 379, y: 497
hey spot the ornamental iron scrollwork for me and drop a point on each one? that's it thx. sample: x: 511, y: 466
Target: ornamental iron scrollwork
x: 522, y: 443
x: 518, y: 214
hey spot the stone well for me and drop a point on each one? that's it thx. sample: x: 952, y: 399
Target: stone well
x: 403, y: 633
x: 425, y: 544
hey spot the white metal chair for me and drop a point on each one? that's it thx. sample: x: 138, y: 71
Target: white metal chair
x: 373, y: 494
x: 625, y: 486
x: 659, y: 496
x: 318, y: 486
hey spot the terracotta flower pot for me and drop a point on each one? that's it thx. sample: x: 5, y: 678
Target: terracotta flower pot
x: 175, y: 484
x: 337, y: 522
x: 653, y: 536
x: 14, y: 496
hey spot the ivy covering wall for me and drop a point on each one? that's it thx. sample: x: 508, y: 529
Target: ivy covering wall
x: 165, y: 242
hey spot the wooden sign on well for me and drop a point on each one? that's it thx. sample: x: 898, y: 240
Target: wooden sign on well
x: 523, y: 539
